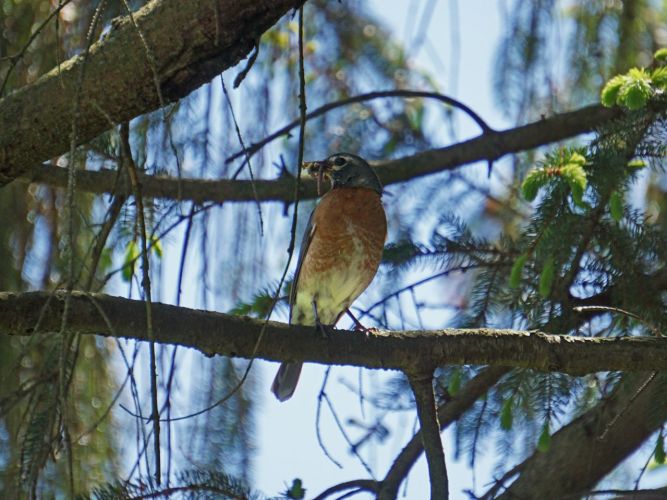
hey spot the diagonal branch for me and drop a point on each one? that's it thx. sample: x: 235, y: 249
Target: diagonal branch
x: 189, y: 45
x: 489, y: 147
x: 603, y: 437
x: 216, y: 333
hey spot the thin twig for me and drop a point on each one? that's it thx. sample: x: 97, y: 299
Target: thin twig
x: 146, y: 285
x: 447, y: 414
x: 247, y: 162
x: 251, y: 61
x: 341, y: 428
x: 254, y: 148
x: 15, y: 59
x: 318, y: 414
x: 358, y: 485
x: 627, y: 405
x: 68, y: 356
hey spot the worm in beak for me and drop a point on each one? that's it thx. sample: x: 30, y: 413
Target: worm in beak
x: 316, y: 169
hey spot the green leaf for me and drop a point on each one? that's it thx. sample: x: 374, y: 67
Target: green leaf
x: 544, y: 441
x: 131, y: 256
x: 106, y: 259
x: 535, y: 179
x: 660, y: 55
x: 259, y: 306
x: 609, y: 94
x: 517, y: 269
x: 506, y: 415
x: 575, y: 175
x: 659, y: 78
x: 296, y: 491
x: 241, y: 309
x: 454, y: 384
x: 616, y: 206
x: 156, y: 245
x: 636, y: 163
x: 577, y: 159
x: 547, y: 277
x: 659, y: 452
x: 415, y: 115
x: 636, y: 91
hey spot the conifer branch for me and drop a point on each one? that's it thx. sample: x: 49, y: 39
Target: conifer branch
x: 560, y: 473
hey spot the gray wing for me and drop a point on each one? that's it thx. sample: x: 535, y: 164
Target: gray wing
x: 305, y: 243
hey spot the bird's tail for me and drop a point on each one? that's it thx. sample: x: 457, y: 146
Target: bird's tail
x: 286, y: 379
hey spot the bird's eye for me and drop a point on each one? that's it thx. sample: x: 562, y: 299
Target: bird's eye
x: 339, y: 161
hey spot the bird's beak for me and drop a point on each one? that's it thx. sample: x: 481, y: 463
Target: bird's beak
x: 317, y: 169
x: 314, y: 168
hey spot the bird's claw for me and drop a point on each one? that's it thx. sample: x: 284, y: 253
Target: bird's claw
x: 323, y: 329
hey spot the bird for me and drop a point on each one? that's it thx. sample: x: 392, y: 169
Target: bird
x: 340, y: 251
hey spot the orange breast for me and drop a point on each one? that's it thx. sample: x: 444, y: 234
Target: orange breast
x: 344, y: 254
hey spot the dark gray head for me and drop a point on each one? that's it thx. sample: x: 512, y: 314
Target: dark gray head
x: 346, y: 170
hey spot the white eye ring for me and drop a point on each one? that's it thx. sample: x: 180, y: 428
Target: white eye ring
x: 339, y: 161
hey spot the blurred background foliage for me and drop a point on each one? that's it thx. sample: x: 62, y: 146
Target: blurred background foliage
x: 457, y: 234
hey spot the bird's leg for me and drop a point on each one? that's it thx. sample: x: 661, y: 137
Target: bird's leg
x: 357, y: 324
x: 318, y: 324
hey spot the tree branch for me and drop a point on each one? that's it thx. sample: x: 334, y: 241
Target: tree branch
x: 190, y: 44
x: 489, y: 146
x: 216, y: 333
x: 560, y: 473
x: 422, y: 387
x: 447, y: 414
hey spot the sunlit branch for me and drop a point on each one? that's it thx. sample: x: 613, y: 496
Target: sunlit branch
x: 185, y: 59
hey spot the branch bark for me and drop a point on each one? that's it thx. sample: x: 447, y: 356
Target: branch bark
x: 488, y: 146
x: 422, y: 387
x: 602, y: 438
x: 216, y: 333
x: 189, y: 42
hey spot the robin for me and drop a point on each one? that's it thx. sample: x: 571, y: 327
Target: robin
x: 340, y: 252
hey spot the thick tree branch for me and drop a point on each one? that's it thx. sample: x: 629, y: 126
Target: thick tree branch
x: 189, y: 42
x: 217, y: 333
x: 602, y: 438
x: 422, y: 387
x: 487, y: 147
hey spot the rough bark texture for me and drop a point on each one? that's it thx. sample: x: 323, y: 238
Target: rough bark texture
x: 591, y: 446
x: 217, y: 333
x: 188, y: 44
x: 489, y: 146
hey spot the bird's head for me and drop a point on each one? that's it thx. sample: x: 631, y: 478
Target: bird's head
x: 345, y: 170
